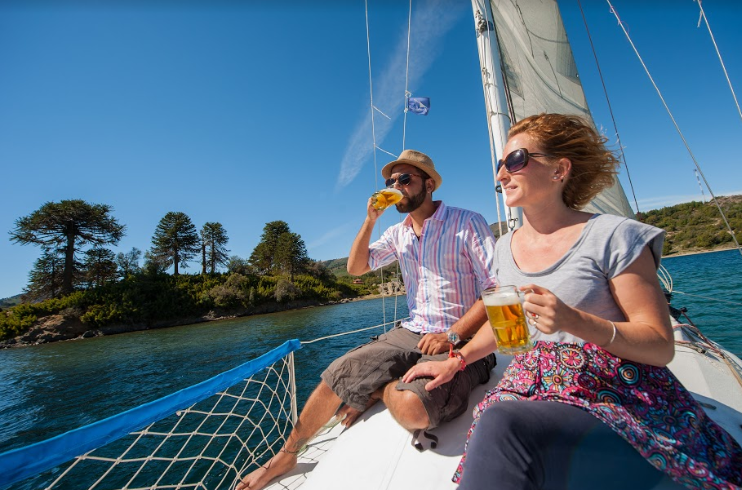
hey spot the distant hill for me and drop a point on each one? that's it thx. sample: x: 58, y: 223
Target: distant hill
x: 12, y: 301
x: 696, y: 226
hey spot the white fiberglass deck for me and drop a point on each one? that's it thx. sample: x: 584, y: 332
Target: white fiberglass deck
x: 377, y: 453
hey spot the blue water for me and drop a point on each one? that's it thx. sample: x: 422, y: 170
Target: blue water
x: 709, y: 285
x: 49, y: 389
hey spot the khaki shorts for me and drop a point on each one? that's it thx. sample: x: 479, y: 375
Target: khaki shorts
x: 363, y: 370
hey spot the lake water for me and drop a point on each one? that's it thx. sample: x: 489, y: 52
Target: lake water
x: 48, y: 389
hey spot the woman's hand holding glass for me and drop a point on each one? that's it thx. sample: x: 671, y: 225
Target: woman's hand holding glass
x: 545, y: 311
x: 441, y: 371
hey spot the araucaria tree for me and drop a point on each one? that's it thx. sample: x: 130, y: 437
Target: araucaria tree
x: 45, y: 279
x: 175, y: 241
x: 100, y: 266
x: 213, y: 246
x: 291, y: 254
x: 262, y: 256
x: 279, y: 250
x: 67, y: 226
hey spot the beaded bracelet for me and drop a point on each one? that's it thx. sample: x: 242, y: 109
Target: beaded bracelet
x: 458, y: 355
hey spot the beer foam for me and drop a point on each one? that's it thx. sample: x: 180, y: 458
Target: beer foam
x: 501, y: 299
x: 393, y: 191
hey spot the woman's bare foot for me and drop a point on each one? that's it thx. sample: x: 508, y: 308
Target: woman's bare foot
x: 276, y: 466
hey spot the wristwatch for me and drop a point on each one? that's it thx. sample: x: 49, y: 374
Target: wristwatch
x: 453, y: 337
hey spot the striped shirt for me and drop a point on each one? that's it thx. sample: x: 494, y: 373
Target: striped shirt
x: 445, y: 270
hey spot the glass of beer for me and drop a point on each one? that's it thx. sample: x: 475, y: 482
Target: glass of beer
x: 504, y: 306
x: 386, y: 197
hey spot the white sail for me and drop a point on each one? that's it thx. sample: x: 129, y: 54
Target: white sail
x: 539, y: 74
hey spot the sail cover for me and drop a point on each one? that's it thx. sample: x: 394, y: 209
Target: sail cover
x: 540, y: 73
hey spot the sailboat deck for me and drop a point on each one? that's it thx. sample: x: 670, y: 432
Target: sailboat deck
x: 377, y: 453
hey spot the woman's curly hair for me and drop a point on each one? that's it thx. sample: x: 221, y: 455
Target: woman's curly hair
x: 565, y: 136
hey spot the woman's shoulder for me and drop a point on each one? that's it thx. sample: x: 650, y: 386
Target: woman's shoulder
x: 622, y: 224
x: 622, y: 239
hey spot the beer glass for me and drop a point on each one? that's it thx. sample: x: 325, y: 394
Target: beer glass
x: 504, y: 306
x: 386, y: 197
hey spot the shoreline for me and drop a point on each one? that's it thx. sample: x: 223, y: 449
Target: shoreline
x: 53, y: 328
x: 697, y: 252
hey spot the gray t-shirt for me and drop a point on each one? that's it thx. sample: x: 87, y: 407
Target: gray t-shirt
x: 607, y: 246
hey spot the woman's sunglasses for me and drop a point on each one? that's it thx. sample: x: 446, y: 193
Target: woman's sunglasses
x: 517, y: 160
x: 402, y: 179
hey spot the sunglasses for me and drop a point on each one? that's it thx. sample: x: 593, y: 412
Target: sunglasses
x: 517, y: 160
x: 402, y: 179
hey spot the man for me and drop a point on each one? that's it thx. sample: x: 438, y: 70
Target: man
x: 446, y: 257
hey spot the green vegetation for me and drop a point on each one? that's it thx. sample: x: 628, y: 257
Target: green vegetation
x: 152, y: 298
x: 115, y: 292
x: 696, y: 226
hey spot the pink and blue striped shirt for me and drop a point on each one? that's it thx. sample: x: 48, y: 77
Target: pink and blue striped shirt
x: 445, y: 270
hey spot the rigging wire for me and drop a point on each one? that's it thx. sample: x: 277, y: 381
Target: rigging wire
x: 304, y: 342
x: 677, y: 127
x: 723, y: 67
x: 610, y: 107
x: 735, y: 303
x: 373, y: 140
x: 376, y: 147
x: 406, y: 76
x: 700, y: 186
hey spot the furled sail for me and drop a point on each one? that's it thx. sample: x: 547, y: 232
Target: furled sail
x: 526, y: 42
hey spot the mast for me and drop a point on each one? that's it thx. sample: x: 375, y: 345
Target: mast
x: 496, y: 102
x: 529, y: 69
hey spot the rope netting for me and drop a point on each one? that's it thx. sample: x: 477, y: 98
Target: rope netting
x: 203, y: 437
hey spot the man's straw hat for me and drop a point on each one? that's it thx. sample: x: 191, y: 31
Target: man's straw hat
x: 416, y: 159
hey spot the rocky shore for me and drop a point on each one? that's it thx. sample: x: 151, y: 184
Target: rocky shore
x: 55, y: 328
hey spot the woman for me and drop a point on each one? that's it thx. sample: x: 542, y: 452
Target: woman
x: 593, y: 402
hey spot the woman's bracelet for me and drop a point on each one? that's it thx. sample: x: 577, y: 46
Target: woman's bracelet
x: 458, y: 355
x: 613, y: 337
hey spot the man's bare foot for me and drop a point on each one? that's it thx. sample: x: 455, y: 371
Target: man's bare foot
x: 276, y: 466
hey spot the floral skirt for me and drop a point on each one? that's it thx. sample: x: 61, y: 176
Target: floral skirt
x: 646, y: 405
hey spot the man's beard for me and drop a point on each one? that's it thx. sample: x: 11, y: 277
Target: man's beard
x: 413, y: 202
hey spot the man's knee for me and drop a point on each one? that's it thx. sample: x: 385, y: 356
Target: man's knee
x: 407, y: 408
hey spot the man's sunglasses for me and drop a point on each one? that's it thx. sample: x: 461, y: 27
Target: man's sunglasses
x: 517, y: 160
x: 402, y: 179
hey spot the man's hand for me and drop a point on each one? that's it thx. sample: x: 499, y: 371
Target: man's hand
x: 433, y: 343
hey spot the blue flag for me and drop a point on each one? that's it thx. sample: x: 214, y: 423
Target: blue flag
x: 419, y: 105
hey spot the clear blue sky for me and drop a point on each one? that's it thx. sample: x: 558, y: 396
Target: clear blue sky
x: 245, y: 112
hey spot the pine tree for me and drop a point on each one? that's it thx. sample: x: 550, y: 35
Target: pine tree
x: 67, y: 226
x: 262, y: 255
x: 175, y: 241
x: 213, y: 246
x: 100, y: 266
x: 45, y: 279
x: 290, y: 256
